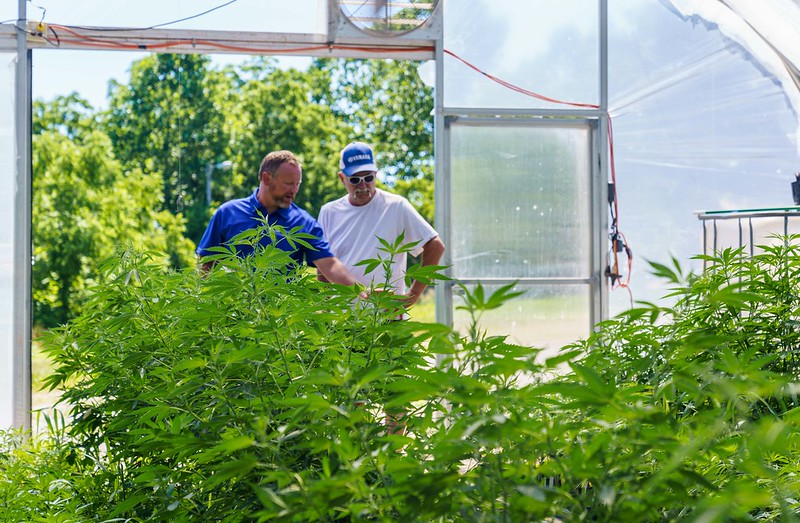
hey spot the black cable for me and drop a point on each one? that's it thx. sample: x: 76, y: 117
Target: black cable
x: 156, y: 25
x: 44, y: 11
x: 58, y: 39
x: 194, y: 16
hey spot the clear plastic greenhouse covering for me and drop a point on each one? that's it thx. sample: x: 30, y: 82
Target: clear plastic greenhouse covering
x: 278, y: 16
x: 7, y: 180
x: 703, y: 95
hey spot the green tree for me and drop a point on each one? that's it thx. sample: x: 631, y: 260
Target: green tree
x: 69, y: 115
x: 85, y: 207
x: 390, y: 107
x: 177, y: 116
x: 274, y: 110
x: 167, y: 120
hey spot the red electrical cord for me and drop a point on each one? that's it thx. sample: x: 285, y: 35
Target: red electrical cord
x: 517, y: 88
x: 111, y: 43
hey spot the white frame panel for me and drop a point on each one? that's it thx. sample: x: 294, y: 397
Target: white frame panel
x: 21, y: 308
x: 592, y: 121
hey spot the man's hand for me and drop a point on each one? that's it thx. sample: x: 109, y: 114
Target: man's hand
x: 409, y: 299
x: 431, y: 254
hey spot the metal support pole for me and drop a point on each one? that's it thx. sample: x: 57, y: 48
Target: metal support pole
x: 444, y: 291
x: 22, y: 230
x: 600, y: 291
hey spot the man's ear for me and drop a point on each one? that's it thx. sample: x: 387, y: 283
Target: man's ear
x: 341, y: 177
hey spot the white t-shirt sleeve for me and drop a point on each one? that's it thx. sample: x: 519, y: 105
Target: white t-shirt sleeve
x: 323, y: 222
x: 416, y: 228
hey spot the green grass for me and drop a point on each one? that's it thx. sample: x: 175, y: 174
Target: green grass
x: 42, y: 400
x: 425, y: 309
x: 41, y: 366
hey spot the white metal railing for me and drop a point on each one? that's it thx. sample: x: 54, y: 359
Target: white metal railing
x: 747, y: 228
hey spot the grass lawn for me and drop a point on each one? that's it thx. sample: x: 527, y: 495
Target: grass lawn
x: 42, y: 401
x: 425, y: 308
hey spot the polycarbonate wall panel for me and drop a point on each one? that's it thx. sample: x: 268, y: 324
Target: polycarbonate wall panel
x: 544, y: 316
x: 520, y: 201
x: 544, y: 46
x: 7, y: 218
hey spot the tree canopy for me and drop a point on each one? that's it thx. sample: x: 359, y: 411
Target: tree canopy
x: 85, y: 207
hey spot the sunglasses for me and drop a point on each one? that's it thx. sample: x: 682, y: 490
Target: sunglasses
x: 355, y: 180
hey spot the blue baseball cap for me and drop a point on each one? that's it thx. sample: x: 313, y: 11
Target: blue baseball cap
x: 357, y: 157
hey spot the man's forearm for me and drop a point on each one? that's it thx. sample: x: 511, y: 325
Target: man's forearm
x: 334, y: 271
x: 431, y: 254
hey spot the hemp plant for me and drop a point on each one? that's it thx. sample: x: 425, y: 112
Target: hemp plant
x: 256, y: 393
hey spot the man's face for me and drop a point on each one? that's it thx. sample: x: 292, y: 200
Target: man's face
x: 360, y: 186
x: 282, y: 186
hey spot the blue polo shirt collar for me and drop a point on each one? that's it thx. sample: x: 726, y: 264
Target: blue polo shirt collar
x: 263, y: 210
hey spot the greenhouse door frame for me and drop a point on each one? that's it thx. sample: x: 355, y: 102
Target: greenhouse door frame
x: 595, y: 122
x: 21, y: 40
x: 600, y: 170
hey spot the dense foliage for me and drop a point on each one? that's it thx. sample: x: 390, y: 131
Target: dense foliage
x: 84, y: 206
x: 257, y: 395
x: 167, y: 121
x: 41, y: 481
x: 153, y: 152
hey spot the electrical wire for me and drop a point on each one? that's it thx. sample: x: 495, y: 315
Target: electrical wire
x: 163, y: 24
x: 58, y: 39
x: 112, y: 43
x: 515, y: 88
x: 198, y: 15
x: 44, y: 12
x: 618, y: 241
x: 35, y: 33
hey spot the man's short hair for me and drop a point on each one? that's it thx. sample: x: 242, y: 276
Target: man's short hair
x: 275, y: 159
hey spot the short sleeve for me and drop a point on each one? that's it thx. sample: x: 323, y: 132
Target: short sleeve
x: 416, y: 228
x: 212, y: 237
x: 320, y: 247
x: 323, y: 220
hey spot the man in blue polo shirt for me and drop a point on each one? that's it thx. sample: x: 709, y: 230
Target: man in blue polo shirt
x: 279, y: 178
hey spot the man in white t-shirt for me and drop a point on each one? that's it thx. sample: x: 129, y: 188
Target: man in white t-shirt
x: 353, y: 223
